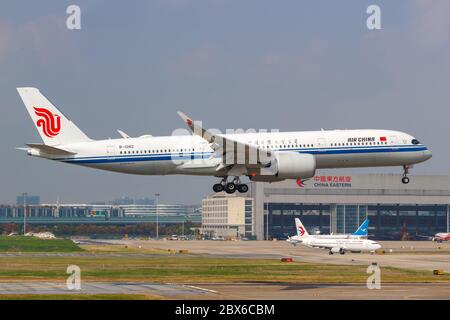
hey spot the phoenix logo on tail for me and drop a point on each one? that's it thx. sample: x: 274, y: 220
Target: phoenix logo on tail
x: 50, y: 123
x: 301, y: 230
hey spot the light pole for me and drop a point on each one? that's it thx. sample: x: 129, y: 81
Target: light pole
x: 184, y: 220
x: 267, y: 220
x: 157, y: 215
x: 24, y: 195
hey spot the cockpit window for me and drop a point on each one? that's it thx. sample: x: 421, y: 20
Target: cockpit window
x: 415, y: 141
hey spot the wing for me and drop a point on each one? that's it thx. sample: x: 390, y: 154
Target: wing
x: 234, y: 153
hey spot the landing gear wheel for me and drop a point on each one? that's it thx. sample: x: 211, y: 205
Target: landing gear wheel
x: 330, y: 253
x: 341, y: 251
x: 218, y: 187
x: 405, y: 179
x: 230, y: 187
x: 242, y: 188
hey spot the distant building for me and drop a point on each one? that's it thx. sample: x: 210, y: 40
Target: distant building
x: 99, y: 214
x: 28, y: 199
x: 133, y: 201
x: 227, y: 216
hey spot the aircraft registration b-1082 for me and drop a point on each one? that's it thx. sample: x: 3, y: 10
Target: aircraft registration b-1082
x: 262, y: 156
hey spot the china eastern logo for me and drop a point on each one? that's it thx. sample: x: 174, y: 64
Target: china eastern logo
x: 301, y: 182
x: 301, y: 230
x: 49, y: 122
x: 326, y: 182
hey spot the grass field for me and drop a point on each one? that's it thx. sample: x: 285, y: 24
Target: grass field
x: 195, y: 269
x: 32, y: 244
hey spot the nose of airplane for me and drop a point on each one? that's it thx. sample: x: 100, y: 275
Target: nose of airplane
x: 427, y: 154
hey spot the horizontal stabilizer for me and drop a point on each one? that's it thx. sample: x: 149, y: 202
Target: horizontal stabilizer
x: 49, y: 149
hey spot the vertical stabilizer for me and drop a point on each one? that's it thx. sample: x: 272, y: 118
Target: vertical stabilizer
x: 53, y: 127
x: 301, y: 230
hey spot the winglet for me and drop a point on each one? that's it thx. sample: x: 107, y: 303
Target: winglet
x: 196, y: 129
x: 189, y: 122
x: 123, y: 134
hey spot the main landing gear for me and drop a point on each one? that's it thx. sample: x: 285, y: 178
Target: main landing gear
x: 405, y: 179
x: 230, y: 187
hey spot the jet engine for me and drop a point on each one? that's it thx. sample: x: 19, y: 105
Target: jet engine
x: 293, y: 165
x: 337, y: 250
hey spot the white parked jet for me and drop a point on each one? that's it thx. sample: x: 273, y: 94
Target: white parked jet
x: 360, y: 233
x: 270, y: 156
x: 335, y: 244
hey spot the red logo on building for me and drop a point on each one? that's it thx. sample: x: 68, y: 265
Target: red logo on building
x: 50, y: 123
x: 301, y: 182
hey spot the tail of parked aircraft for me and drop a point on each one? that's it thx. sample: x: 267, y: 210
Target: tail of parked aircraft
x: 301, y: 231
x: 363, y: 229
x: 54, y: 128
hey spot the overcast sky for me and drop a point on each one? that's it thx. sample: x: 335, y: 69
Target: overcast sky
x: 287, y: 65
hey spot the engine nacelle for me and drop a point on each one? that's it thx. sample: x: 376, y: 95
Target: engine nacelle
x: 335, y: 250
x: 292, y: 165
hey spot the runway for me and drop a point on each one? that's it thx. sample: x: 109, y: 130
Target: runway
x: 415, y: 255
x: 425, y: 256
x: 164, y: 290
x: 236, y: 291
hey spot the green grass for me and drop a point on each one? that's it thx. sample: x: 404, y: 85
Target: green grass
x: 192, y: 269
x: 32, y: 244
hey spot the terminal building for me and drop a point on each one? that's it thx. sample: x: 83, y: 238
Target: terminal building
x: 330, y: 203
x: 339, y: 203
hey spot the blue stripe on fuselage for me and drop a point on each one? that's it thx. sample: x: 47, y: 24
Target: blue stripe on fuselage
x: 204, y: 155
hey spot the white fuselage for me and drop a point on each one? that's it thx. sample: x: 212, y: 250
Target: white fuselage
x: 298, y: 239
x: 192, y: 155
x: 352, y: 245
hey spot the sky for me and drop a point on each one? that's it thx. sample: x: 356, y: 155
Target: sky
x: 288, y: 65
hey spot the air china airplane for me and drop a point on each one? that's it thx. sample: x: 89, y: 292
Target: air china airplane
x: 270, y: 156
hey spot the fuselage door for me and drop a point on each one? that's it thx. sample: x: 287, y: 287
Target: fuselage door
x: 110, y: 151
x: 393, y: 140
x: 321, y: 143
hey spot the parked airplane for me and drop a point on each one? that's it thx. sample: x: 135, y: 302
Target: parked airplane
x: 360, y: 233
x: 438, y: 237
x: 334, y: 245
x: 441, y: 236
x: 273, y: 156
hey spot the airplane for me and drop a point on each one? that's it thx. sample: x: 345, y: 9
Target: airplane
x: 261, y: 156
x: 441, y: 236
x: 438, y: 237
x: 334, y: 245
x: 360, y: 233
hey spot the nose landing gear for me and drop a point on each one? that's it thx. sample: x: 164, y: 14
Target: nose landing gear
x: 230, y: 187
x: 405, y: 179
